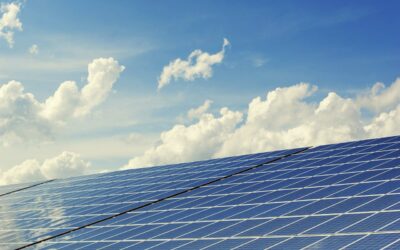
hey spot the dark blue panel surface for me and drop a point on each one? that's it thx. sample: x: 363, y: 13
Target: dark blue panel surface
x: 331, y: 197
x: 374, y: 241
x: 46, y: 210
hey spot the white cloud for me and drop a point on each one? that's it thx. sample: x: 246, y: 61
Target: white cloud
x: 379, y: 98
x: 34, y: 49
x: 386, y: 123
x: 69, y: 101
x: 63, y: 103
x: 199, y: 111
x: 22, y: 117
x: 103, y: 73
x: 282, y: 107
x: 285, y: 118
x: 66, y: 164
x: 198, y: 64
x: 9, y: 21
x: 185, y: 143
x: 19, y: 115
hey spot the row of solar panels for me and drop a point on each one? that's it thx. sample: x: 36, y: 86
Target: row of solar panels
x: 339, y: 196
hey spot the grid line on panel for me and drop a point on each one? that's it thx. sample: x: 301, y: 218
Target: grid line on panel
x: 318, y: 188
x: 246, y: 237
x: 30, y: 186
x: 285, y: 238
x: 164, y: 168
x: 328, y: 196
x: 164, y: 198
x: 365, y: 181
x: 363, y: 189
x: 341, y: 232
x: 369, y: 213
x: 52, y: 199
x: 141, y: 185
x: 391, y: 244
x: 186, y: 167
x: 236, y: 163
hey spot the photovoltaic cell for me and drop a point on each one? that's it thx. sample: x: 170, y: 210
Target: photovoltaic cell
x: 338, y: 196
x: 42, y: 211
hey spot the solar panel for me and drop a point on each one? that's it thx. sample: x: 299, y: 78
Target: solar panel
x: 338, y: 196
x: 306, y: 201
x: 50, y: 209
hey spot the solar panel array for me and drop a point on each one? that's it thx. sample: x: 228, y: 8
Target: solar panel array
x: 43, y: 211
x: 339, y: 196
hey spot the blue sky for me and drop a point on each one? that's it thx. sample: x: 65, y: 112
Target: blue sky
x: 334, y: 44
x: 340, y: 46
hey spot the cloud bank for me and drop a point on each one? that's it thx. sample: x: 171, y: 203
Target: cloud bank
x: 284, y: 118
x: 197, y: 65
x: 193, y: 142
x: 24, y: 118
x: 9, y: 21
x: 66, y: 164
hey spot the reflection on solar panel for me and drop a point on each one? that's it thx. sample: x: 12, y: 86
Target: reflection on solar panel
x: 53, y: 208
x: 4, y: 190
x: 339, y: 196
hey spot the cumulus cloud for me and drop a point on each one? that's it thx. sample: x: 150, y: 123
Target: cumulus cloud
x: 66, y: 164
x: 285, y: 118
x: 199, y: 111
x: 386, y: 123
x: 103, y: 73
x: 34, y: 49
x: 19, y: 115
x: 380, y: 98
x: 9, y: 21
x: 68, y: 100
x: 23, y: 117
x: 196, y: 141
x: 198, y: 64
